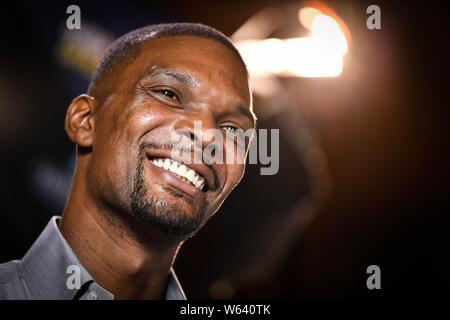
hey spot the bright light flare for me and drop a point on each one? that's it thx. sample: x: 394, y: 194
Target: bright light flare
x: 302, y: 57
x: 306, y: 16
x: 327, y: 31
x: 319, y: 55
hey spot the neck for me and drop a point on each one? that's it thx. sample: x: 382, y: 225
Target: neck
x: 129, y: 259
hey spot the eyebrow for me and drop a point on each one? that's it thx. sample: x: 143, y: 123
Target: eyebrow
x: 239, y: 108
x: 180, y: 76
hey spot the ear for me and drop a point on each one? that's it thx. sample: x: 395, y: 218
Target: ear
x: 79, y: 122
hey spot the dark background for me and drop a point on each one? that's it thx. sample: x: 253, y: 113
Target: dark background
x: 364, y: 157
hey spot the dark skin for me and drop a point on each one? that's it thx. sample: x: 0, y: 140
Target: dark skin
x: 172, y: 83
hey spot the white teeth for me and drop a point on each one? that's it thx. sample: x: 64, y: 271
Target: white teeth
x: 173, y: 167
x: 190, y: 175
x: 166, y: 164
x: 181, y: 170
x: 156, y: 163
x: 195, y: 180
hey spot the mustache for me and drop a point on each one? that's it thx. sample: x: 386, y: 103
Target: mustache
x: 169, y: 146
x: 152, y: 145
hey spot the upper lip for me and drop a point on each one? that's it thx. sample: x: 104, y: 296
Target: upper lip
x: 200, y: 168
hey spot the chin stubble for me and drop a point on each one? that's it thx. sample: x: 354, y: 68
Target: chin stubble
x: 169, y: 218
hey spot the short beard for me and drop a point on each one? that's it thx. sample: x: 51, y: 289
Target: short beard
x: 170, y: 219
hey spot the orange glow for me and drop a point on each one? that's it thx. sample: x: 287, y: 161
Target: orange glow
x: 319, y: 55
x: 306, y: 16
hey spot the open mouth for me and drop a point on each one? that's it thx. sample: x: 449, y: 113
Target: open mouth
x: 183, y: 172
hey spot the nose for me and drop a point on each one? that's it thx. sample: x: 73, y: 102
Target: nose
x: 198, y: 130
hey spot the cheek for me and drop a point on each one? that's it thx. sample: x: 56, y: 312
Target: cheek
x: 139, y: 124
x: 145, y: 118
x: 111, y: 166
x: 113, y: 155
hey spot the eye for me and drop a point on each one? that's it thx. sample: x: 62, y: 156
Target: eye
x: 230, y: 128
x: 168, y: 93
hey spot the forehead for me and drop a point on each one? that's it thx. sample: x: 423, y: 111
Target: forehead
x: 206, y: 60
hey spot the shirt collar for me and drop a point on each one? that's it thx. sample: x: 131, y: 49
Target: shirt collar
x: 44, y: 269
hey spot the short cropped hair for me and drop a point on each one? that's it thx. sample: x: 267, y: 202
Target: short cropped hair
x: 125, y: 49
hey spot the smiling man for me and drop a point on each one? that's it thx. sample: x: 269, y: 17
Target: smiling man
x: 131, y: 204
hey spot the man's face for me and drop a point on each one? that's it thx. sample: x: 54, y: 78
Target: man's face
x: 174, y: 82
